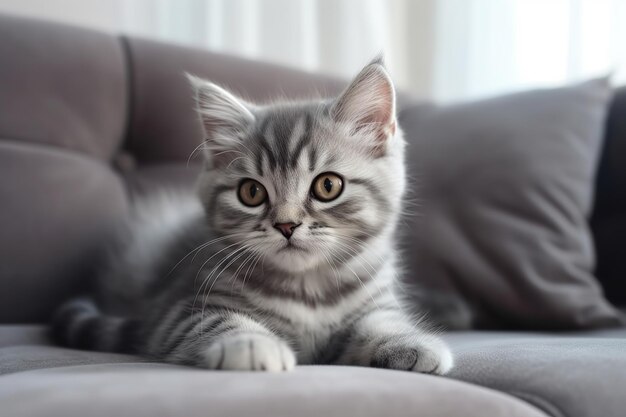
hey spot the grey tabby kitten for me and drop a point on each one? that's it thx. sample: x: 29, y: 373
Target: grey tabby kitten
x: 287, y: 256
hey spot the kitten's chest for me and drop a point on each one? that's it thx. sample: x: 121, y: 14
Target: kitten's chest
x: 310, y: 327
x: 310, y: 309
x: 310, y: 340
x: 311, y: 333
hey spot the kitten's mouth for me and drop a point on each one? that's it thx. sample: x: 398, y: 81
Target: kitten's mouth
x: 290, y: 246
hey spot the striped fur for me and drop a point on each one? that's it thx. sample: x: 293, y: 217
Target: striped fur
x: 210, y: 282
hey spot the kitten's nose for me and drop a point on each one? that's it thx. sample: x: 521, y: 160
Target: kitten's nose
x: 286, y: 228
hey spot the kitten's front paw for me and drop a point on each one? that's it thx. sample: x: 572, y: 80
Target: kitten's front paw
x: 427, y: 356
x: 249, y: 352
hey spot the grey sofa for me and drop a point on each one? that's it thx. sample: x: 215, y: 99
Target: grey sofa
x: 89, y: 122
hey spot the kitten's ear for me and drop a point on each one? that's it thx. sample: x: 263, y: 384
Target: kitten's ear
x: 224, y: 116
x: 369, y: 102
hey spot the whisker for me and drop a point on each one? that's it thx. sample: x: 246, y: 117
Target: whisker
x: 241, y: 252
x: 233, y: 161
x: 359, y: 242
x: 362, y: 244
x: 359, y: 254
x: 205, y: 281
x: 204, y: 142
x: 374, y: 280
x: 245, y: 277
x: 213, y: 256
x: 197, y: 249
x: 332, y: 267
x: 362, y: 283
x: 251, y: 255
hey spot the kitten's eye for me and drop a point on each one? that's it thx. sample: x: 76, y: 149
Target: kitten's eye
x: 251, y: 193
x: 327, y: 186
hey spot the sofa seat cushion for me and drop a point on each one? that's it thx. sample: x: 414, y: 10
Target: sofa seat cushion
x: 43, y: 380
x: 27, y: 347
x: 152, y: 389
x: 567, y: 375
x: 23, y: 358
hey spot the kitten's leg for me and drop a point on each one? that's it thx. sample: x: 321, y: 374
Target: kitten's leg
x: 388, y: 339
x: 232, y: 341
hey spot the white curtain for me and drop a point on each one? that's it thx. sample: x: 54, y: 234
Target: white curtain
x: 439, y: 49
x: 333, y: 36
x: 490, y: 46
x: 442, y: 49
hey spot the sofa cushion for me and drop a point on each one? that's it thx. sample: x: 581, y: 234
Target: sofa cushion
x: 164, y: 390
x: 62, y: 86
x: 43, y: 380
x: 23, y: 358
x: 608, y: 222
x: 505, y: 189
x: 63, y: 114
x: 26, y: 347
x: 56, y: 207
x: 569, y: 375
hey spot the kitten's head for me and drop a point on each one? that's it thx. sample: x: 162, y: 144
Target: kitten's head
x: 303, y: 184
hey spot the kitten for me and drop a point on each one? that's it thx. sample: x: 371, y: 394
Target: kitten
x: 286, y: 257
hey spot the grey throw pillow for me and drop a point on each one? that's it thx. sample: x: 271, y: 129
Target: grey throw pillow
x: 504, y: 189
